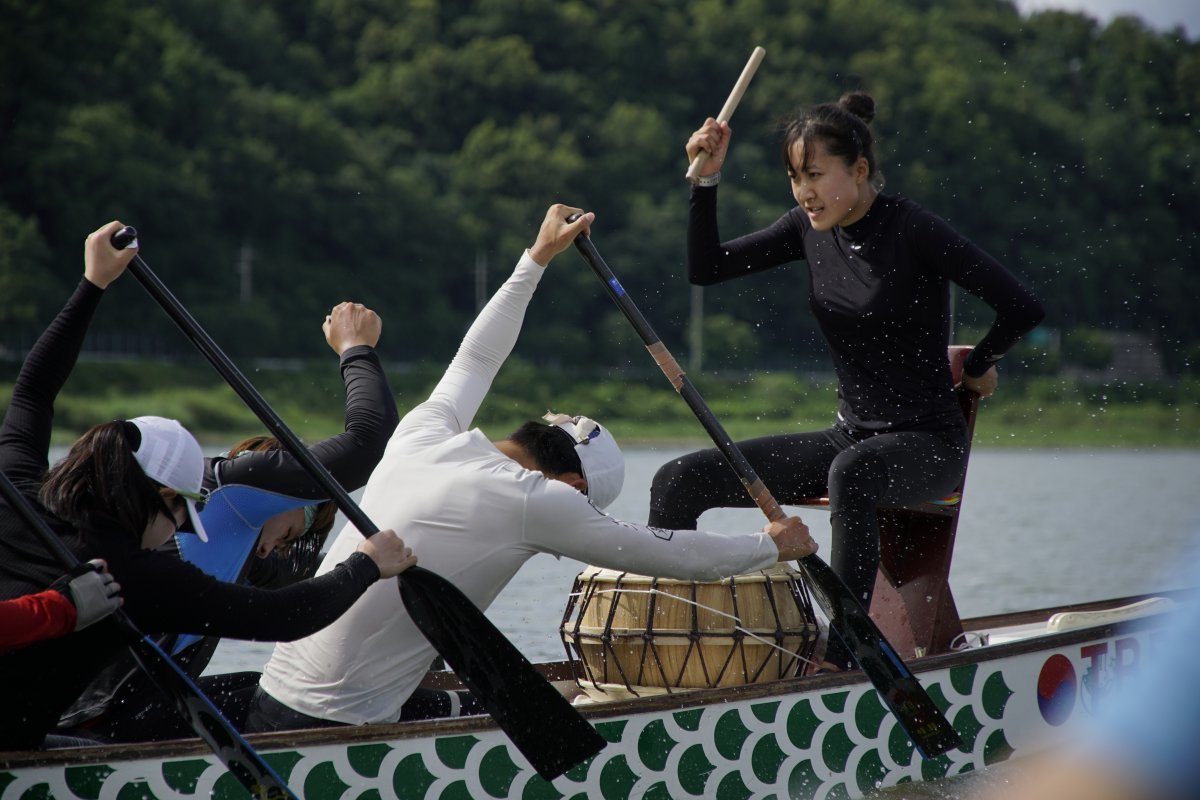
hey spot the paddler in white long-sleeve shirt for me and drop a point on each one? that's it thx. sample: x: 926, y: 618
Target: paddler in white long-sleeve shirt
x: 474, y: 511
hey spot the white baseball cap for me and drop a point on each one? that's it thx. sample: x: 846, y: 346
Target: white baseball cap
x: 601, y: 459
x: 170, y: 455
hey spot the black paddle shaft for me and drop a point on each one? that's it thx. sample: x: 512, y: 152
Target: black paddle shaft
x: 192, y: 704
x: 541, y: 723
x: 900, y: 690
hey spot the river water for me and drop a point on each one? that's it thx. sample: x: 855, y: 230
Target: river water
x: 1037, y: 528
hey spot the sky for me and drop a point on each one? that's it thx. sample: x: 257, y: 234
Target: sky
x: 1161, y: 15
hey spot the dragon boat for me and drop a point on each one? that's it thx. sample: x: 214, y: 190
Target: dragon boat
x: 1023, y: 683
x: 709, y: 702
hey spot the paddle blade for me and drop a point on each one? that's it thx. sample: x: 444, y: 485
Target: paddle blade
x: 247, y: 766
x: 899, y: 689
x: 540, y: 722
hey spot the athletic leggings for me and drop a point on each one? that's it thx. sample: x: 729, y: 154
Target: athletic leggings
x: 859, y: 470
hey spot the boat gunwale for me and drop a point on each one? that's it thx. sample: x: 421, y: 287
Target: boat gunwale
x: 363, y: 734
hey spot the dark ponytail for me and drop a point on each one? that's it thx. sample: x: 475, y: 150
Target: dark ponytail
x: 860, y: 104
x: 843, y: 127
x: 99, y: 477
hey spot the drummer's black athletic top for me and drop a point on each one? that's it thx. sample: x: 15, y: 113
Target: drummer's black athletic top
x: 879, y: 290
x: 162, y: 593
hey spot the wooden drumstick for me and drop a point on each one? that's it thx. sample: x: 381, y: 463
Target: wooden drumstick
x: 735, y: 97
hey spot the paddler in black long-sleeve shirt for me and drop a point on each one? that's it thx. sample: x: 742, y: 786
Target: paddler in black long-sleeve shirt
x: 267, y: 520
x: 880, y: 269
x: 122, y: 491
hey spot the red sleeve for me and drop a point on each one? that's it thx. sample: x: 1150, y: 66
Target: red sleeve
x: 34, y: 617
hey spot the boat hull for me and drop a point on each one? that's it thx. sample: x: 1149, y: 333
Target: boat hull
x: 822, y: 737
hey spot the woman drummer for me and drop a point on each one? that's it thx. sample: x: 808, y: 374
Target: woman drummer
x: 880, y: 269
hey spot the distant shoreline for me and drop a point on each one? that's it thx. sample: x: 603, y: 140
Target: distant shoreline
x: 638, y: 434
x: 641, y: 410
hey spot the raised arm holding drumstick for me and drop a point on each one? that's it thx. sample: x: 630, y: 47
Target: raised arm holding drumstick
x: 880, y: 269
x: 699, y: 156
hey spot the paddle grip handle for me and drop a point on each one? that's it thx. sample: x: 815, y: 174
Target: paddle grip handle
x: 124, y: 237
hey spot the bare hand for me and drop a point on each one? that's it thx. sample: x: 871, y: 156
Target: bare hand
x: 792, y: 538
x: 984, y: 385
x: 713, y: 138
x: 389, y: 553
x: 557, y: 234
x: 103, y: 263
x: 350, y: 324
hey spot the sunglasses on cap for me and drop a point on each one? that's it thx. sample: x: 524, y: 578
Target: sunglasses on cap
x: 585, y: 429
x: 200, y: 498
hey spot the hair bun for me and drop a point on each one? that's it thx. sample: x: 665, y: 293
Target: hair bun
x: 860, y: 104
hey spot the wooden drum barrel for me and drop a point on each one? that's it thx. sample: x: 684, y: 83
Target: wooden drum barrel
x: 640, y: 633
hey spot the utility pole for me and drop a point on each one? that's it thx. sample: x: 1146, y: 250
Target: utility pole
x: 480, y: 280
x: 246, y: 273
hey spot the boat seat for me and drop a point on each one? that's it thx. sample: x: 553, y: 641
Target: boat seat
x: 912, y: 603
x: 1071, y: 620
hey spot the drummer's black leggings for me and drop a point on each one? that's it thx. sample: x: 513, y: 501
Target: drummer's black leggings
x: 859, y: 471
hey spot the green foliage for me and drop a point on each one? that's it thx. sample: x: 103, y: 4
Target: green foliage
x: 376, y: 150
x: 23, y: 283
x: 637, y: 406
x: 1087, y: 348
x: 729, y: 342
x: 1060, y: 413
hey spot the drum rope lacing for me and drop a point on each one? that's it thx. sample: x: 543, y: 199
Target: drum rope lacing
x: 737, y: 626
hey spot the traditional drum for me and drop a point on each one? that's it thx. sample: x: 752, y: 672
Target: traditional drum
x: 636, y: 632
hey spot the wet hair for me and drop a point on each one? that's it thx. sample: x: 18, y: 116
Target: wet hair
x: 99, y: 477
x: 843, y: 127
x: 304, y: 553
x: 552, y: 448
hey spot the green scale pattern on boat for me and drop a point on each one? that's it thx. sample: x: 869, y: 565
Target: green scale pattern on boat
x: 839, y: 744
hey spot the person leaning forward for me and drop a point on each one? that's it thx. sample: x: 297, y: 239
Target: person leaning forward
x: 476, y: 510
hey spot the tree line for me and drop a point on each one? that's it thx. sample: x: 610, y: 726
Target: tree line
x: 279, y: 156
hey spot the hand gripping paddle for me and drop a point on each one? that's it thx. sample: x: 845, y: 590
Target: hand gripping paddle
x: 254, y: 774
